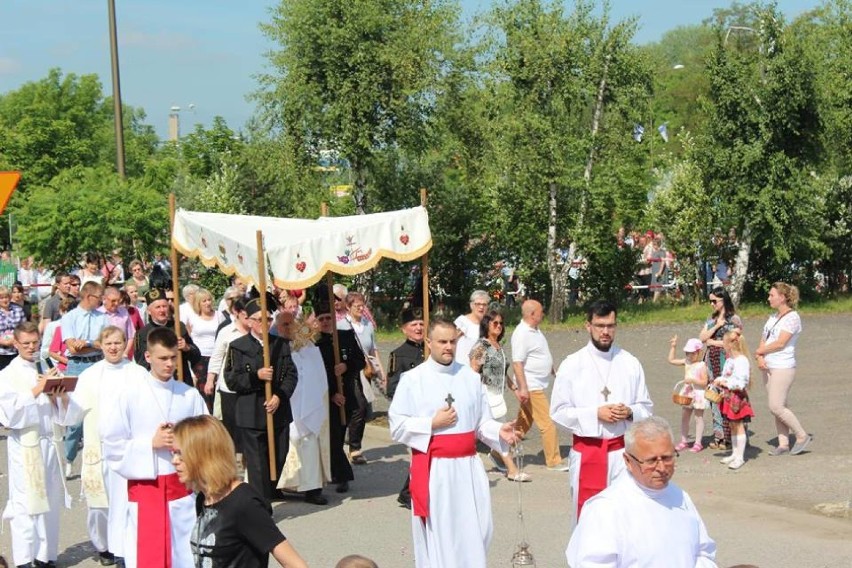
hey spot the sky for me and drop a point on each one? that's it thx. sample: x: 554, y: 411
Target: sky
x: 208, y: 53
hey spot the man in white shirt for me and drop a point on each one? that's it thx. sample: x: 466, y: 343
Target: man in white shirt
x: 533, y: 365
x: 598, y: 391
x: 643, y: 520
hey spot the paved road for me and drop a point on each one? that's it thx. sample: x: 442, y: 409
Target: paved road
x: 768, y: 513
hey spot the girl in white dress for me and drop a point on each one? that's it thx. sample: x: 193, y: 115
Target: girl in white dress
x: 695, y: 379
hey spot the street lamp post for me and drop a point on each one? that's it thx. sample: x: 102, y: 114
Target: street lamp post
x: 116, y: 91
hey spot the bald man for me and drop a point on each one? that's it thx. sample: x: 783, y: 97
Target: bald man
x: 533, y: 366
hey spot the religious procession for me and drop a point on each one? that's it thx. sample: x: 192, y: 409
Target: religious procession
x: 196, y: 422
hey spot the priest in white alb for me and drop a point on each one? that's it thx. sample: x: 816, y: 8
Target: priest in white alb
x: 308, y: 465
x: 598, y: 391
x: 137, y: 442
x: 33, y: 446
x: 98, y: 391
x: 439, y: 409
x: 643, y: 520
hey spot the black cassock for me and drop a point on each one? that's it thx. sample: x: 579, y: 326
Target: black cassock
x: 244, y: 359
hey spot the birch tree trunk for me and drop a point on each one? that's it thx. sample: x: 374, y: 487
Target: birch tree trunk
x: 557, y: 271
x: 738, y: 278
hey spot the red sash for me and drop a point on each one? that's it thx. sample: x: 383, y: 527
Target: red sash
x: 440, y: 446
x: 154, y: 531
x: 594, y: 465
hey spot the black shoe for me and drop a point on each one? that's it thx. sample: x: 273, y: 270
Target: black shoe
x: 405, y: 502
x: 342, y: 487
x: 316, y: 498
x: 278, y: 495
x: 27, y: 565
x: 106, y: 558
x: 40, y: 564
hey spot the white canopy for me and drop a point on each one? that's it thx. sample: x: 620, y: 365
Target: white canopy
x: 300, y: 251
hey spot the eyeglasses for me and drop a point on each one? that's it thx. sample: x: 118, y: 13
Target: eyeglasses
x: 603, y: 326
x: 495, y: 322
x: 715, y: 300
x: 651, y: 463
x: 480, y: 304
x: 96, y: 297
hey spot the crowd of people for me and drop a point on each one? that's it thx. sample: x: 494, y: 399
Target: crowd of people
x: 190, y: 429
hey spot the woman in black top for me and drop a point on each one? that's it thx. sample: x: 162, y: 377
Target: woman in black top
x: 234, y: 527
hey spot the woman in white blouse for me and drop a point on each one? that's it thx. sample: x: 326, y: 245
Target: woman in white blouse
x: 202, y: 322
x: 776, y: 357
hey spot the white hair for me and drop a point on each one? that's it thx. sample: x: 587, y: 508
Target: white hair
x: 479, y: 294
x: 651, y: 428
x: 189, y: 290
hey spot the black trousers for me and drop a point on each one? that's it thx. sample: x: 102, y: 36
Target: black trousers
x: 356, y: 412
x: 341, y: 469
x: 256, y: 454
x: 228, y: 401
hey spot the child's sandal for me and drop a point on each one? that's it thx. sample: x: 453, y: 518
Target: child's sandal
x: 697, y: 447
x: 682, y: 445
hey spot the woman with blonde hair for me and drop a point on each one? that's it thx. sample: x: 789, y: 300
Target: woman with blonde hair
x: 234, y: 525
x: 202, y: 322
x: 776, y: 357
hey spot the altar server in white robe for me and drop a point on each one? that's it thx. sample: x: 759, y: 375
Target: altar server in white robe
x: 643, y: 520
x: 98, y: 391
x: 308, y: 465
x: 598, y: 391
x: 439, y: 409
x: 137, y: 442
x: 33, y: 447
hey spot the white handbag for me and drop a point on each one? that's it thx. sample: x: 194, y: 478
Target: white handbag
x: 497, y: 403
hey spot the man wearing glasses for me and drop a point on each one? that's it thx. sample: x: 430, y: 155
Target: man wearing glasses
x: 643, y: 519
x: 81, y: 328
x: 246, y: 376
x: 598, y: 391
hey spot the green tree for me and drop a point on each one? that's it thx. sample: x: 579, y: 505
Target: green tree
x: 355, y: 77
x: 568, y: 88
x: 90, y: 210
x: 762, y: 139
x: 60, y: 122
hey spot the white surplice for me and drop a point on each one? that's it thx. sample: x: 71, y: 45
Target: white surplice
x: 126, y: 435
x: 577, y: 395
x: 34, y: 536
x: 98, y: 391
x: 631, y: 526
x: 308, y: 464
x: 457, y: 531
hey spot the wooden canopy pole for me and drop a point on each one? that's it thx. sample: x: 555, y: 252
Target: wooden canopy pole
x: 335, y: 340
x: 175, y: 283
x: 424, y: 275
x: 264, y: 326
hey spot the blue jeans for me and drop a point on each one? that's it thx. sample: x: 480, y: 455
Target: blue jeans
x: 74, y: 434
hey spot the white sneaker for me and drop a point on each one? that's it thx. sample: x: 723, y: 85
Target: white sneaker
x: 69, y: 470
x: 561, y: 466
x: 736, y: 464
x: 727, y: 459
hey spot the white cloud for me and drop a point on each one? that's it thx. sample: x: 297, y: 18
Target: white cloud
x: 9, y: 66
